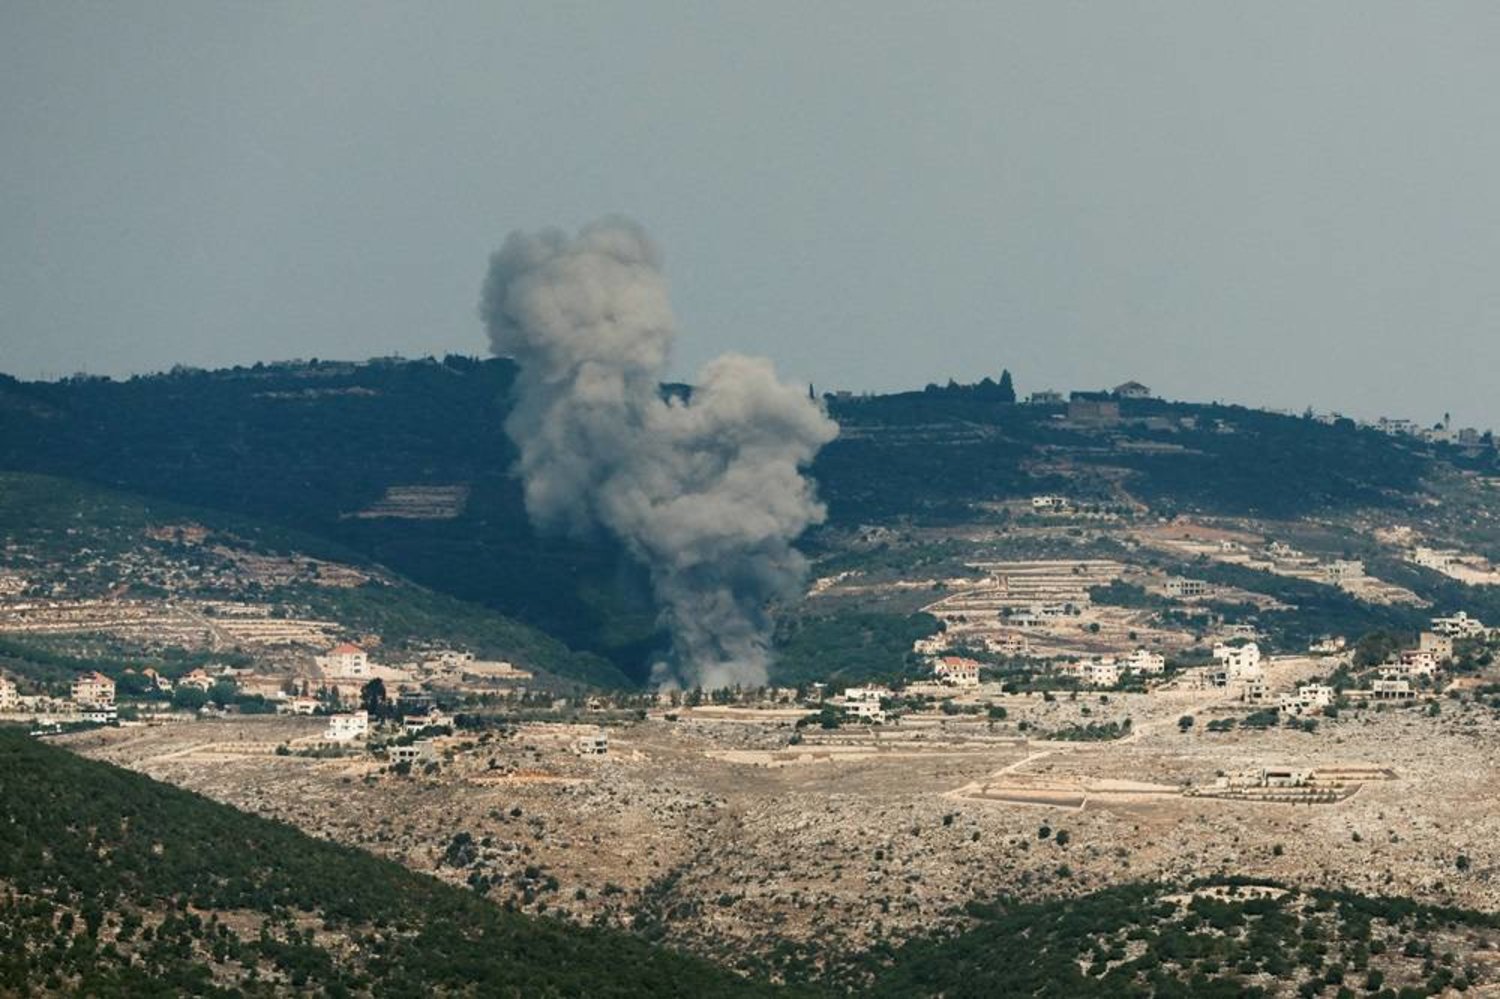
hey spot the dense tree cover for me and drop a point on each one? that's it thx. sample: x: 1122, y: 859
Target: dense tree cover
x: 1319, y: 609
x: 113, y: 884
x: 303, y: 447
x: 1142, y: 940
x: 847, y: 648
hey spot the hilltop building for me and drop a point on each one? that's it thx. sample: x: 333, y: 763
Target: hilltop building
x: 10, y: 698
x: 1132, y: 390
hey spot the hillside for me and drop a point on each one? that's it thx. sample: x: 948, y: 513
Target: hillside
x: 154, y: 560
x: 118, y: 885
x: 407, y: 465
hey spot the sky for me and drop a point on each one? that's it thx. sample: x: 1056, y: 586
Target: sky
x: 1277, y: 204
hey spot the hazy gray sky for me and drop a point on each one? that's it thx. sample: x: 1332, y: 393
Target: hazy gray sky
x: 1277, y: 204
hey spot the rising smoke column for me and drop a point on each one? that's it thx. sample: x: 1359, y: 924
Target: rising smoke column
x: 707, y: 492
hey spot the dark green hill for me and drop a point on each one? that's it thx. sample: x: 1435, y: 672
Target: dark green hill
x: 305, y: 446
x: 114, y: 885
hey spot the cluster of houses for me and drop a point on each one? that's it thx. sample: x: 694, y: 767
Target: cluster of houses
x: 91, y: 699
x: 1107, y: 671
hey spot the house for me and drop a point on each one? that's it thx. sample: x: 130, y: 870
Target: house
x: 1098, y: 672
x: 1441, y: 646
x: 1252, y: 689
x: 1342, y: 570
x: 1459, y: 625
x: 1083, y: 409
x: 1284, y: 777
x: 1419, y: 659
x: 1435, y: 558
x: 1393, y: 690
x: 1309, y: 699
x: 1132, y: 390
x: 94, y: 690
x: 297, y: 706
x: 198, y: 679
x: 417, y: 752
x: 99, y: 714
x: 1183, y: 588
x: 1239, y: 661
x: 593, y: 744
x: 930, y: 646
x: 1328, y: 646
x: 957, y: 671
x: 1007, y: 643
x: 347, y: 728
x: 1408, y: 669
x: 864, y: 703
x: 346, y: 661
x: 1050, y: 503
x: 1046, y: 397
x: 1142, y: 661
x: 412, y: 724
x: 162, y: 683
x: 10, y: 698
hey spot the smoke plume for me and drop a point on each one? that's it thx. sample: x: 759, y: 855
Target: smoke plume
x: 707, y: 492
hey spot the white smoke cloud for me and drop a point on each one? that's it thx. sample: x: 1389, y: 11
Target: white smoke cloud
x: 708, y: 493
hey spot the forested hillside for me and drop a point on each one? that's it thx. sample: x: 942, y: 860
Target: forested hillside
x: 310, y: 446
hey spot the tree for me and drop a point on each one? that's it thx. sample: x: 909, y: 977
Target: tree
x: 1185, y: 722
x: 222, y: 693
x: 372, y: 698
x: 1007, y: 392
x: 191, y: 698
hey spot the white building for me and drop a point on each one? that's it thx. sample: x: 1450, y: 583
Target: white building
x: 10, y: 698
x: 1393, y: 690
x: 930, y: 646
x: 99, y: 714
x: 957, y: 671
x: 864, y: 703
x: 1180, y: 586
x: 1309, y: 699
x: 348, y: 728
x: 1343, y: 570
x: 1436, y: 558
x: 1328, y: 646
x: 1052, y: 503
x: 1143, y: 661
x: 1460, y: 625
x: 1132, y: 390
x: 1099, y: 672
x: 413, y: 724
x: 1240, y: 661
x: 94, y: 690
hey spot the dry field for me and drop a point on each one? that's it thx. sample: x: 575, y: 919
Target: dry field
x: 717, y: 830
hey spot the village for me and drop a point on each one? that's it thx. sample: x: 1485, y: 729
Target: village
x: 865, y: 813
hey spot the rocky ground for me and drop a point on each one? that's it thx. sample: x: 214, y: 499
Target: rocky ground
x: 714, y: 833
